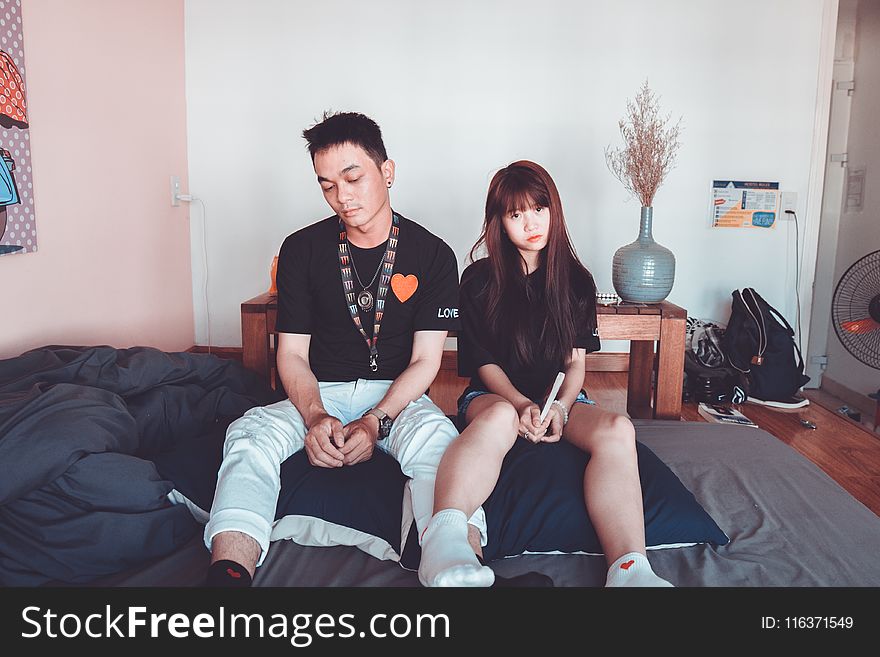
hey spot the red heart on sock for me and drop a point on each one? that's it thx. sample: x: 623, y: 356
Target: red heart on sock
x: 232, y: 573
x: 625, y: 565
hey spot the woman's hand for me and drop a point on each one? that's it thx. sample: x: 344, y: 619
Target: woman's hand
x: 530, y: 426
x: 554, y: 432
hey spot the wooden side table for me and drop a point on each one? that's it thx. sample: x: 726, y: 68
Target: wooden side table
x: 258, y: 317
x: 641, y: 324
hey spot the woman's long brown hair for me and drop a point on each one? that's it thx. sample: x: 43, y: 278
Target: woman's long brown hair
x: 569, y: 290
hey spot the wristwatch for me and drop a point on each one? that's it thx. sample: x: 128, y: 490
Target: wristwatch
x: 385, y: 421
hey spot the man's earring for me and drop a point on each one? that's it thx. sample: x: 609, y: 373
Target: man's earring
x: 389, y: 183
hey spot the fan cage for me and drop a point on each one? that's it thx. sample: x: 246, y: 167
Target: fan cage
x: 851, y: 301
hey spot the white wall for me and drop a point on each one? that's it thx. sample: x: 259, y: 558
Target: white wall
x: 461, y: 88
x: 859, y: 232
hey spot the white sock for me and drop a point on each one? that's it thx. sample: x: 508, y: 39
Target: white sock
x: 633, y: 569
x: 447, y: 557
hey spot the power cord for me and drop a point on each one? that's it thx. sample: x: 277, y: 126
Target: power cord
x: 189, y: 198
x: 797, y: 273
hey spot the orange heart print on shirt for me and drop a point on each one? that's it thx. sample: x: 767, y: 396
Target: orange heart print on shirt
x: 404, y: 286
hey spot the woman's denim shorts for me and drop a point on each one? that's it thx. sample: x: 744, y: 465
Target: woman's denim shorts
x: 471, y: 394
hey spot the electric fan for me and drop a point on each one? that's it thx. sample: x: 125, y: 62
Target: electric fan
x: 855, y: 309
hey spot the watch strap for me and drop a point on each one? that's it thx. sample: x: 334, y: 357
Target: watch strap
x: 385, y: 421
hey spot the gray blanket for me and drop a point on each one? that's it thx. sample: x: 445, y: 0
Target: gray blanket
x: 80, y: 496
x: 789, y: 524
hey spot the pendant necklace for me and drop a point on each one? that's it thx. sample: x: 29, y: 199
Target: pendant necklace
x: 364, y: 299
x: 365, y: 296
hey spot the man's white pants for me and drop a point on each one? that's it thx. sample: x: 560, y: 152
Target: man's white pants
x: 248, y: 483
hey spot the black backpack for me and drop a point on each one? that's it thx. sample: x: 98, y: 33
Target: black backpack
x: 760, y: 344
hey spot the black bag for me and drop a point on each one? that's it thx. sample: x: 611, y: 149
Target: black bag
x: 703, y: 342
x: 707, y: 376
x: 760, y: 344
x: 713, y: 385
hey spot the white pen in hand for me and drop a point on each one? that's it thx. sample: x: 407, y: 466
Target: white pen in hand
x: 557, y: 384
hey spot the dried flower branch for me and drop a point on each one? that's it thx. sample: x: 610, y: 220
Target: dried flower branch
x: 650, y: 147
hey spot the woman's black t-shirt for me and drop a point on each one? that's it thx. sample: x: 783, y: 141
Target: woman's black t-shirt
x: 477, y: 346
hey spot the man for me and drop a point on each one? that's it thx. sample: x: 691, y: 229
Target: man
x: 365, y: 300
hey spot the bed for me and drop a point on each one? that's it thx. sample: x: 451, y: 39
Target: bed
x: 788, y: 523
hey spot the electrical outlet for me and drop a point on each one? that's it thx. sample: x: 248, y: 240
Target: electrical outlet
x: 788, y: 202
x: 175, y: 190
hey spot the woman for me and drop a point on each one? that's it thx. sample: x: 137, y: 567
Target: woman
x: 528, y: 312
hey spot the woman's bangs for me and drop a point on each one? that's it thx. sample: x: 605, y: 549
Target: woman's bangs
x: 521, y: 192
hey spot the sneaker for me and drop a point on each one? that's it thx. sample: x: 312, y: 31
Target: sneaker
x: 793, y: 402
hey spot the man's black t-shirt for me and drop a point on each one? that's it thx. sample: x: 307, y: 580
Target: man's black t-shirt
x: 423, y: 297
x: 477, y: 346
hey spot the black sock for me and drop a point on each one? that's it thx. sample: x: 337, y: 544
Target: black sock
x: 227, y: 574
x: 526, y: 580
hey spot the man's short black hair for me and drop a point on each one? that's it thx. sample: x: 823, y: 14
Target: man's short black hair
x: 337, y: 128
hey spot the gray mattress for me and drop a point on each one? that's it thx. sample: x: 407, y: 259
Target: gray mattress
x: 789, y: 525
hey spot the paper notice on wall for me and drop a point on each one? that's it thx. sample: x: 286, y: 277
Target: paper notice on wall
x: 744, y: 204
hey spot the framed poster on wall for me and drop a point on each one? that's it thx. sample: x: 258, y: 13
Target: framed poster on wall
x: 18, y: 228
x: 744, y: 204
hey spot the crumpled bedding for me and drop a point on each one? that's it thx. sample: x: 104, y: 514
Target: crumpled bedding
x: 80, y: 427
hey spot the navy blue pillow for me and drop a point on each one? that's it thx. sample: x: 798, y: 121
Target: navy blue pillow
x: 359, y: 505
x: 538, y: 504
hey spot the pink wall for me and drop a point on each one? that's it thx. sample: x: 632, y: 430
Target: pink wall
x: 108, y: 127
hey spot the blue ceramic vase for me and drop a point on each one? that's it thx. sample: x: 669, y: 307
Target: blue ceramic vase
x: 643, y: 271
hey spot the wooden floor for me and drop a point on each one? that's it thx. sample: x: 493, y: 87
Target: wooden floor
x: 848, y: 453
